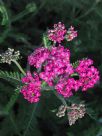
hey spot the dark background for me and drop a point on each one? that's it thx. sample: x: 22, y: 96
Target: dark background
x: 22, y: 25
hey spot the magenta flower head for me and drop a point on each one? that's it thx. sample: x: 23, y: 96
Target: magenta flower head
x: 88, y: 77
x: 64, y: 87
x: 88, y: 74
x: 67, y: 84
x: 31, y: 88
x: 56, y: 65
x: 57, y: 34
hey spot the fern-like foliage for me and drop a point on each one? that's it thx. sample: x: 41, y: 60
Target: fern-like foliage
x: 13, y: 77
x: 11, y: 101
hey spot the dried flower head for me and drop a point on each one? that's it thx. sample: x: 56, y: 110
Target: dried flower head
x: 9, y: 56
x: 77, y: 111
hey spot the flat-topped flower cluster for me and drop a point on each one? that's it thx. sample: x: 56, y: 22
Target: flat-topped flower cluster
x: 56, y: 70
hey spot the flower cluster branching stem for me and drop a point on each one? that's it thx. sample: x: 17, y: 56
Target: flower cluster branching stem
x: 61, y: 99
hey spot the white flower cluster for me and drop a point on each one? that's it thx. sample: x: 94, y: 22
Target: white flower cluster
x: 9, y: 56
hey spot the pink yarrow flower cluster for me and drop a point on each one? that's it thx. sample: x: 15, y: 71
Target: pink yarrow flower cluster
x: 66, y: 85
x: 59, y: 33
x: 89, y: 75
x: 57, y: 64
x: 31, y: 89
x: 56, y: 69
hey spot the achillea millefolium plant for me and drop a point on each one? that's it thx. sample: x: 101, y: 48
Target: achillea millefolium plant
x: 52, y: 70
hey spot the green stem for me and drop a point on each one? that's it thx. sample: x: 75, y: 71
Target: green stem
x: 30, y: 121
x: 19, y: 16
x: 14, y: 125
x: 5, y: 21
x: 61, y: 99
x: 20, y: 68
x: 4, y: 35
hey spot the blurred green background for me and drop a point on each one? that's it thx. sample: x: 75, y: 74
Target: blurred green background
x: 22, y: 25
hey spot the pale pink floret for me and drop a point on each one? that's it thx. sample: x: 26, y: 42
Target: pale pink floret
x: 71, y: 34
x: 31, y: 89
x: 57, y: 34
